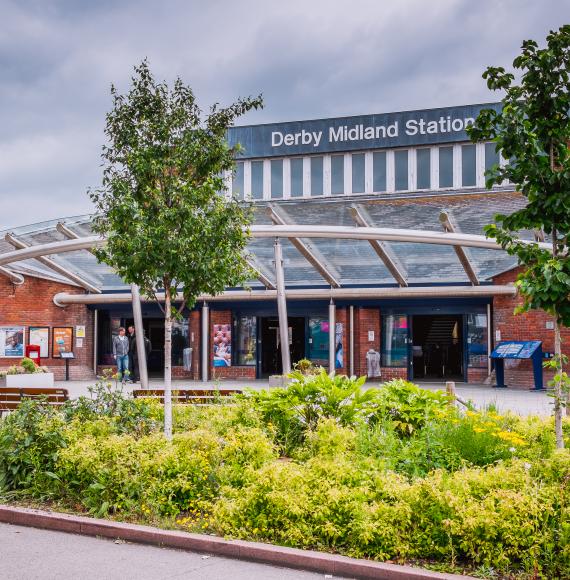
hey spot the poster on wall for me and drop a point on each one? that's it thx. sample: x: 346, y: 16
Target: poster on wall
x: 339, y: 354
x: 222, y: 344
x: 39, y: 336
x: 12, y: 341
x: 62, y: 341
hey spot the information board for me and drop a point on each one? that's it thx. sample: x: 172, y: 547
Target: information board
x: 519, y: 349
x: 516, y: 349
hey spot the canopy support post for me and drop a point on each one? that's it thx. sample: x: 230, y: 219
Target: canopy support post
x: 139, y: 335
x: 282, y: 309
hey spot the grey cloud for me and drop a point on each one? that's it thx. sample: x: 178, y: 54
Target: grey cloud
x: 310, y: 59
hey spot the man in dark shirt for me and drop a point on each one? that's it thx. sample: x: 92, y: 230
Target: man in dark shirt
x: 133, y: 361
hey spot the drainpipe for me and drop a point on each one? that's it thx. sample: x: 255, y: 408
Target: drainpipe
x: 204, y: 346
x: 332, y: 337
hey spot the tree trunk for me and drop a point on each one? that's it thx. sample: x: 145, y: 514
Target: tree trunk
x: 167, y: 364
x: 557, y: 352
x: 558, y: 389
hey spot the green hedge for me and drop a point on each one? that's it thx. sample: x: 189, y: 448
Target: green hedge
x: 394, y: 473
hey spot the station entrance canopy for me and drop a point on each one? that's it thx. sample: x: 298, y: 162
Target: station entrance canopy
x: 330, y: 249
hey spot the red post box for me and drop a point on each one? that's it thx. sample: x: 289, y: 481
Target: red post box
x: 33, y: 352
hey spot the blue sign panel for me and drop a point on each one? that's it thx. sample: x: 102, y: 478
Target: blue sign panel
x: 404, y: 129
x: 516, y: 349
x: 519, y: 349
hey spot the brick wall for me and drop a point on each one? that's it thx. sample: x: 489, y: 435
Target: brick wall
x: 528, y: 326
x: 31, y: 304
x: 365, y: 320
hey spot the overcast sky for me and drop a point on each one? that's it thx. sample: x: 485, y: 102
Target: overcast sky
x: 309, y: 58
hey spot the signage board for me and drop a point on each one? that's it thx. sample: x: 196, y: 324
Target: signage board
x: 516, y: 349
x: 402, y: 129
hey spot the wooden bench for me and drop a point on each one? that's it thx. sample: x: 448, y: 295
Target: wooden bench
x: 11, y: 397
x: 187, y: 396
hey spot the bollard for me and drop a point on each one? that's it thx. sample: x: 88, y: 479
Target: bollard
x: 450, y: 390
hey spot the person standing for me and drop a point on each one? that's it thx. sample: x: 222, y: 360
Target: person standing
x: 133, y: 352
x: 121, y: 354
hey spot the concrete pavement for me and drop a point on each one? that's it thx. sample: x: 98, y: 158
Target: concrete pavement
x: 520, y: 401
x: 30, y: 554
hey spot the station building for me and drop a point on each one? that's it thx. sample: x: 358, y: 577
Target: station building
x: 380, y: 221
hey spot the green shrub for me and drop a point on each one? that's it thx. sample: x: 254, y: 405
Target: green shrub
x: 297, y: 409
x: 127, y: 415
x: 31, y: 438
x: 396, y: 473
x: 409, y: 407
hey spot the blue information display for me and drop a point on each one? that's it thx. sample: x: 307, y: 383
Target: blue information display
x: 519, y: 349
x: 516, y: 349
x: 403, y: 129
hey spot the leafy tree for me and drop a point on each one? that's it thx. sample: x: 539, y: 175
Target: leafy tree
x: 169, y: 229
x: 532, y: 131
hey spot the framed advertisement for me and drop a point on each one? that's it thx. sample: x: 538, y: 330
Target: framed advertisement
x: 39, y: 335
x: 62, y: 340
x: 12, y: 341
x: 222, y: 344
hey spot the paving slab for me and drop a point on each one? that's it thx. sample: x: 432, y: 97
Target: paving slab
x: 520, y: 401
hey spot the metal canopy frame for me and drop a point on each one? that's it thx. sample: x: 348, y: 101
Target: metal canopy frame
x: 14, y: 277
x: 366, y: 233
x: 382, y: 249
x: 52, y: 265
x: 311, y: 254
x: 450, y: 228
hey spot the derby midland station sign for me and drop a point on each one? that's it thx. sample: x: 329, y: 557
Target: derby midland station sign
x: 405, y: 129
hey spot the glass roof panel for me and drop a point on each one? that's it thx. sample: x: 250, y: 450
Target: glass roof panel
x: 354, y: 262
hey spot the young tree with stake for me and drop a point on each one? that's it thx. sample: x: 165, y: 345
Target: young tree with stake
x: 161, y: 207
x: 532, y: 131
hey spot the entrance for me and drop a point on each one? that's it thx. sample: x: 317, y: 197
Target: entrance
x: 154, y: 331
x: 437, y: 347
x: 270, y: 360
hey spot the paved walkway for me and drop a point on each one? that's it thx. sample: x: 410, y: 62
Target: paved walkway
x: 520, y: 401
x: 30, y: 554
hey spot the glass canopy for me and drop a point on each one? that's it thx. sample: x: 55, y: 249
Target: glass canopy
x: 351, y: 262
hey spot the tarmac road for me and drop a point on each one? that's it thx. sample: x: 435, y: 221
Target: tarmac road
x: 33, y: 554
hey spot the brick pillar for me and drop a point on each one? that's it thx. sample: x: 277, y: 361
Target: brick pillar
x: 365, y: 320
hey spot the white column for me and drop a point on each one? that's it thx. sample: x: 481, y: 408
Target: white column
x: 480, y: 165
x: 368, y: 172
x: 347, y: 174
x: 205, y: 341
x: 306, y: 177
x: 247, y: 180
x: 332, y: 336
x: 282, y: 308
x: 390, y: 172
x: 139, y: 335
x: 326, y: 175
x: 457, y: 165
x: 434, y: 167
x: 412, y: 170
x: 287, y: 178
x: 266, y: 179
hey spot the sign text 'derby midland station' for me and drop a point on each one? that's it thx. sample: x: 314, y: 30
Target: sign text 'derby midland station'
x: 361, y: 132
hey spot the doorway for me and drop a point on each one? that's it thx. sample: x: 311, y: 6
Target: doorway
x: 270, y: 360
x: 437, y: 347
x: 154, y: 331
